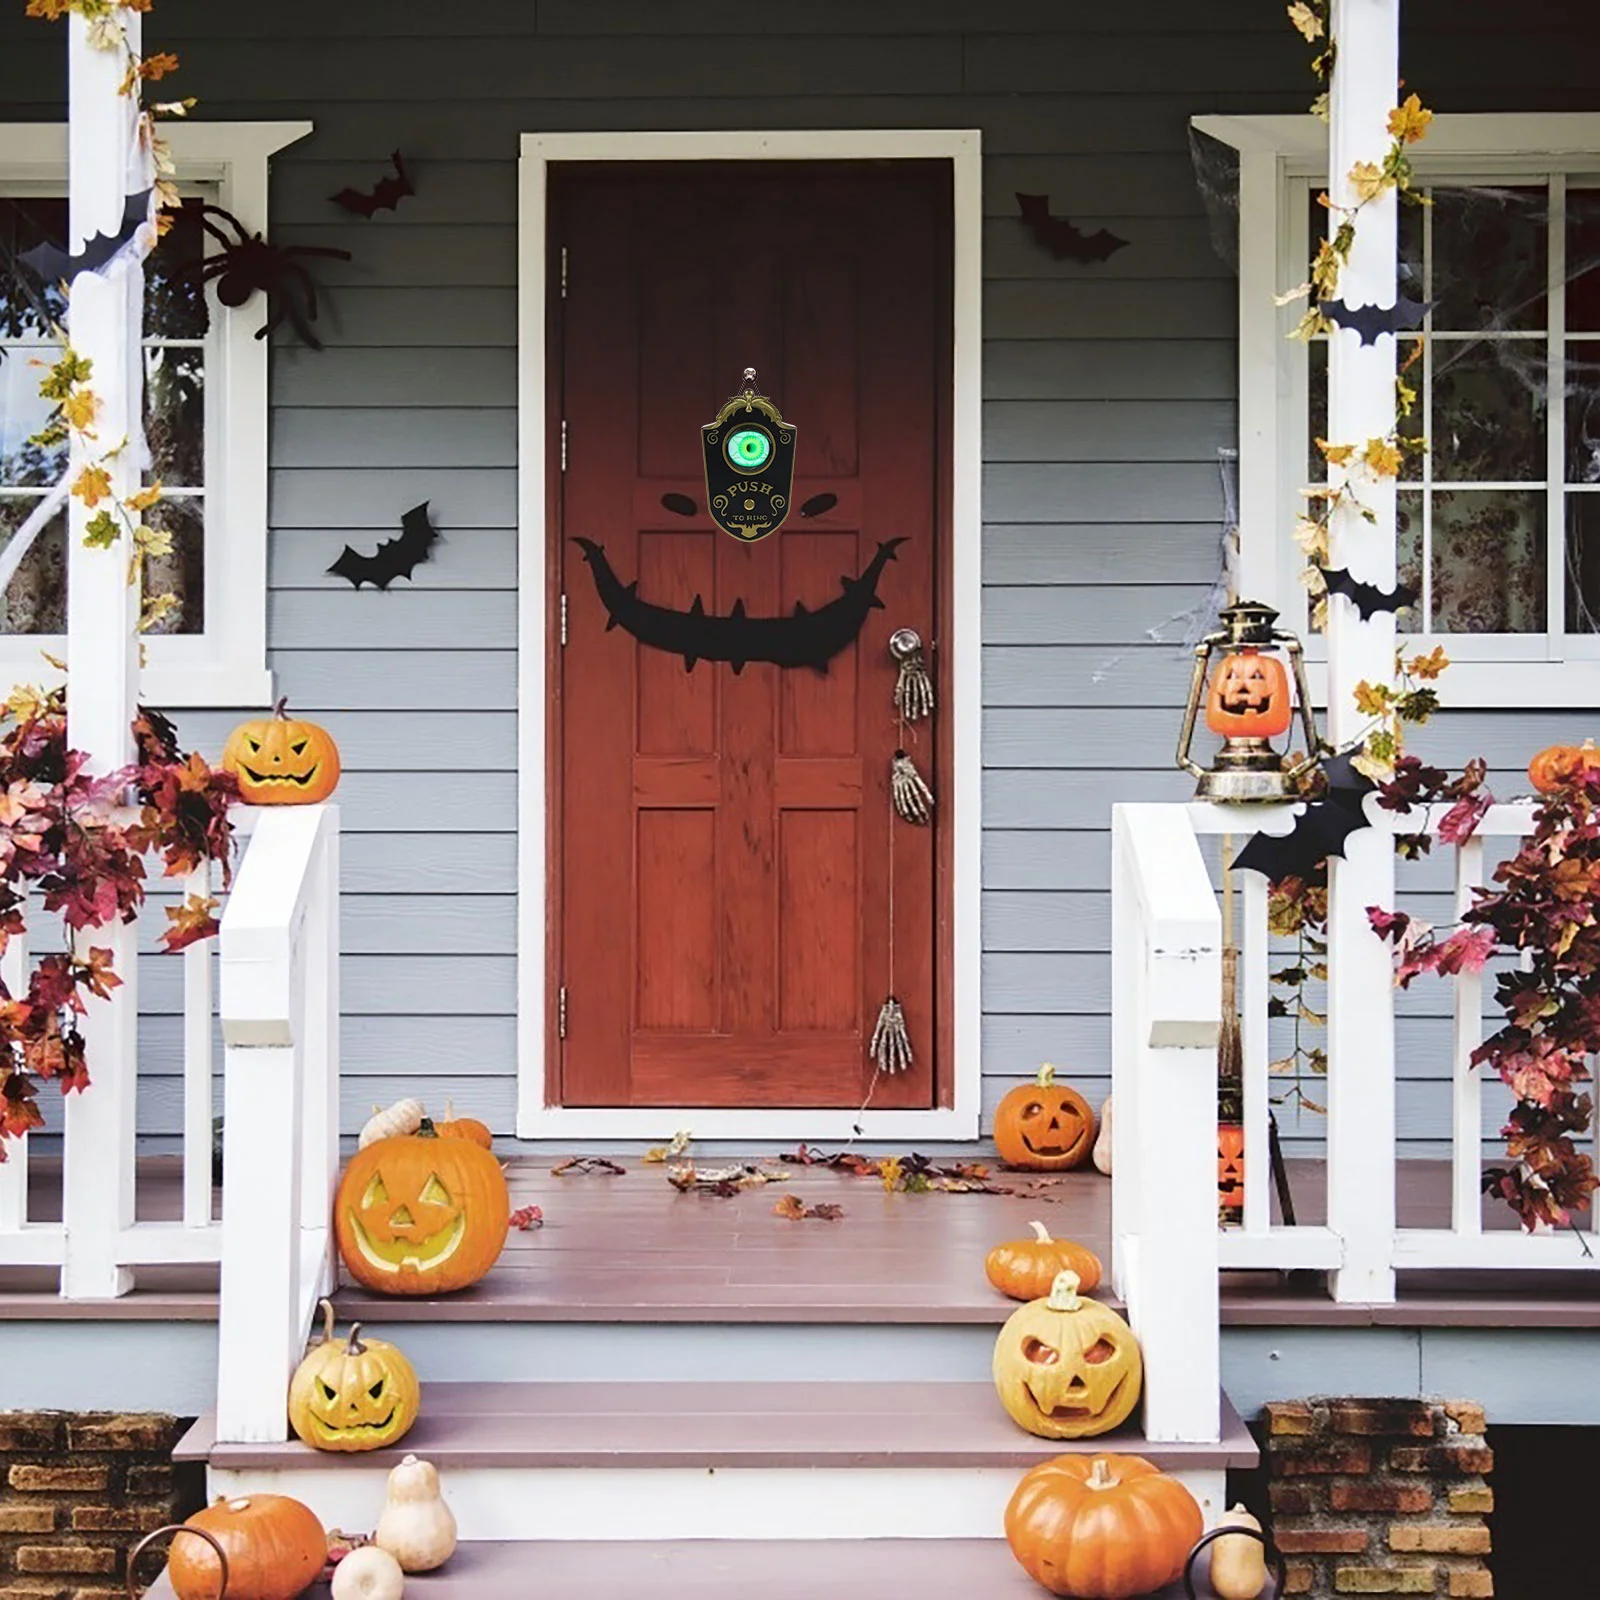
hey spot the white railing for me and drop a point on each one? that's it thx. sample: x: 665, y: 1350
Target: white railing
x: 1166, y: 950
x: 280, y: 1156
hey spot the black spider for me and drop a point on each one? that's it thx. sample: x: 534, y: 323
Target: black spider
x: 249, y: 264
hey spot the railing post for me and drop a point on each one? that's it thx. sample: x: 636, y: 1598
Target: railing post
x: 14, y: 1170
x: 198, y: 1020
x: 320, y: 1051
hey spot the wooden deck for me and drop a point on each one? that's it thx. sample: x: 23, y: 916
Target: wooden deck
x: 631, y: 1249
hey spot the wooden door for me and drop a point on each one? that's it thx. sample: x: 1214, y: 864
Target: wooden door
x: 725, y: 837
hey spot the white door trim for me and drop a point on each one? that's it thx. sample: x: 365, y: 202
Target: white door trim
x: 536, y: 1118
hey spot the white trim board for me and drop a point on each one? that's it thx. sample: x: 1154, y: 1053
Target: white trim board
x: 962, y: 148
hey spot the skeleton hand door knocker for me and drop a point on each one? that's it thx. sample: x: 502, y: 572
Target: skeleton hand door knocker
x: 913, y: 688
x: 913, y: 799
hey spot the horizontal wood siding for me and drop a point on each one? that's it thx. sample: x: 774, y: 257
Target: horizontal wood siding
x: 1108, y: 392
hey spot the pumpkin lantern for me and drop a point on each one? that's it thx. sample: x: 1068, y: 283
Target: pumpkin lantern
x: 1230, y: 1171
x: 1044, y: 1125
x: 420, y: 1215
x: 1066, y: 1367
x: 355, y: 1395
x: 281, y: 760
x: 1249, y: 703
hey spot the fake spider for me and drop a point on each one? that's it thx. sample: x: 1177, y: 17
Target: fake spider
x: 249, y: 264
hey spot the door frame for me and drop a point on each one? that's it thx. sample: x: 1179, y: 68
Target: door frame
x: 538, y: 1117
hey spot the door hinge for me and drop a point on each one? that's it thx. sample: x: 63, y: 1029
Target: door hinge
x: 563, y: 272
x: 563, y: 619
x: 561, y: 1013
x: 563, y: 444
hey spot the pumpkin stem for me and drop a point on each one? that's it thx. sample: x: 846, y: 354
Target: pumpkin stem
x: 1100, y: 1475
x: 327, y: 1320
x: 280, y: 708
x: 1064, y: 1292
x: 1041, y: 1234
x: 1046, y: 1075
x: 355, y: 1346
x: 426, y: 1129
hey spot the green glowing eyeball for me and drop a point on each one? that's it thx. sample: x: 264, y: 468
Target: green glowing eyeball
x: 749, y: 449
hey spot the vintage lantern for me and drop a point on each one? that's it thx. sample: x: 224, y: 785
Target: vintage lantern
x: 1249, y: 704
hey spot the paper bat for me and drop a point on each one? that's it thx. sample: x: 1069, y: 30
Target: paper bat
x: 1319, y: 832
x: 1367, y: 597
x: 55, y: 265
x: 386, y: 196
x: 1059, y: 237
x: 1404, y: 316
x: 394, y: 558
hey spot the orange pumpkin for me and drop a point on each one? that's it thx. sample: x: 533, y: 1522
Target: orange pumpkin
x: 1230, y: 1171
x: 1026, y: 1269
x: 1558, y: 766
x: 281, y: 760
x: 1044, y: 1125
x: 1102, y: 1527
x: 1249, y: 697
x: 421, y: 1215
x: 274, y: 1547
x: 454, y: 1127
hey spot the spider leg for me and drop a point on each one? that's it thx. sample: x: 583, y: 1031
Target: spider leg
x: 294, y: 281
x: 207, y: 212
x: 276, y: 311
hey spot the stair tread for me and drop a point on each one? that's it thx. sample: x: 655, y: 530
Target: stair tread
x: 719, y: 1424
x: 934, y: 1569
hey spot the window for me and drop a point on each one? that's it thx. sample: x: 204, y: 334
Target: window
x: 205, y: 422
x: 1499, y: 531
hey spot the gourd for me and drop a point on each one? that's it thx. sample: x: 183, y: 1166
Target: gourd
x: 417, y: 1528
x: 1044, y: 1126
x: 469, y: 1128
x: 1101, y: 1527
x: 369, y: 1573
x: 1026, y: 1269
x: 282, y: 760
x: 404, y: 1116
x: 273, y: 1545
x: 359, y: 1395
x: 1238, y: 1563
x: 1102, y: 1143
x: 1562, y: 764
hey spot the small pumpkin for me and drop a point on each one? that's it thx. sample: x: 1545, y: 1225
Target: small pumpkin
x: 282, y: 760
x: 368, y: 1574
x: 1066, y: 1367
x: 355, y: 1395
x: 1238, y: 1561
x: 420, y: 1215
x: 1230, y: 1171
x: 416, y: 1527
x: 1101, y: 1527
x: 1026, y: 1269
x: 404, y: 1116
x: 1249, y: 696
x: 454, y: 1127
x: 1558, y: 766
x: 273, y: 1545
x: 1044, y: 1126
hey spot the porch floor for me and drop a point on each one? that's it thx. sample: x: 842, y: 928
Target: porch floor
x: 628, y: 1248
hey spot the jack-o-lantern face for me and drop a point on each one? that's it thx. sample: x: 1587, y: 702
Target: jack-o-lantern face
x: 1066, y: 1367
x: 1044, y: 1125
x: 418, y: 1215
x: 1230, y: 1168
x: 352, y: 1395
x: 1249, y: 697
x: 282, y: 761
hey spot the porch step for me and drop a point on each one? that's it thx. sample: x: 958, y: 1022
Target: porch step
x: 939, y: 1569
x: 772, y: 1460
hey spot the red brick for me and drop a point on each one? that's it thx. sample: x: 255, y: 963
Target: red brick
x: 1325, y: 1460
x: 1471, y: 1585
x: 1295, y: 1499
x: 27, y: 1519
x: 1320, y: 1541
x: 1298, y: 1576
x: 1446, y: 1541
x: 30, y: 1430
x: 39, y: 1591
x: 1460, y: 1460
x: 123, y: 1434
x: 119, y: 1519
x: 63, y: 1480
x: 1464, y: 1502
x: 1380, y: 1496
x: 1467, y: 1415
x: 1289, y: 1417
x: 1382, y: 1418
x: 149, y: 1480
x: 1385, y: 1580
x: 74, y: 1558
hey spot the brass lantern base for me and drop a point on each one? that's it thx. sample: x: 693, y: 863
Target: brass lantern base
x: 1247, y: 772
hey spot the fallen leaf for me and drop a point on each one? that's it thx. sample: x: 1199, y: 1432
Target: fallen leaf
x: 526, y: 1218
x: 575, y: 1166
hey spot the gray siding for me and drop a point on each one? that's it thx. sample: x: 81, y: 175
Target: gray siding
x: 1107, y: 393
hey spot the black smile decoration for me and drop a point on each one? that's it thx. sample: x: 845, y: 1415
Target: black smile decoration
x: 802, y: 639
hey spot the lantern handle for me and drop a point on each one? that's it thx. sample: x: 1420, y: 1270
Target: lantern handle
x: 1197, y: 687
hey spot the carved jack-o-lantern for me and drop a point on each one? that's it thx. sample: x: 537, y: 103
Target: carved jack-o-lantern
x: 282, y: 761
x: 1230, y: 1171
x: 421, y: 1215
x: 352, y: 1394
x: 1044, y: 1125
x: 1066, y: 1367
x: 1249, y: 697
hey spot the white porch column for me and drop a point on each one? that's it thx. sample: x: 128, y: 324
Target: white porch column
x: 102, y: 648
x: 1361, y: 406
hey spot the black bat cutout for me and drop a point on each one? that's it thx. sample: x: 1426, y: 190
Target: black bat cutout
x: 1404, y: 316
x: 394, y: 558
x: 1319, y: 831
x: 386, y: 195
x: 1060, y: 238
x: 817, y: 504
x: 680, y: 505
x: 1367, y: 598
x: 55, y: 265
x: 802, y: 639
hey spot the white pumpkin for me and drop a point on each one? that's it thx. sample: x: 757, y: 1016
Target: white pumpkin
x: 1239, y: 1563
x: 368, y: 1574
x: 404, y: 1116
x: 1102, y: 1143
x: 417, y: 1528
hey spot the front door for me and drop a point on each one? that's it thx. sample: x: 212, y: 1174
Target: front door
x: 736, y: 898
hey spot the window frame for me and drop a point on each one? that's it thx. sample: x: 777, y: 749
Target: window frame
x: 1278, y: 157
x: 226, y: 664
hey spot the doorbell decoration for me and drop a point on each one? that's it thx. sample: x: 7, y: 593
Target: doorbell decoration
x: 749, y: 451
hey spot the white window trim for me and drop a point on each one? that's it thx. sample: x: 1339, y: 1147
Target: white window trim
x: 1277, y: 156
x: 537, y: 1116
x: 227, y: 664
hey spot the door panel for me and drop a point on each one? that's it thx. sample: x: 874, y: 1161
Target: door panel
x: 725, y: 837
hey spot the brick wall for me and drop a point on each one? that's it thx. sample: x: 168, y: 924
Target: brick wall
x: 77, y: 1491
x: 1381, y: 1496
